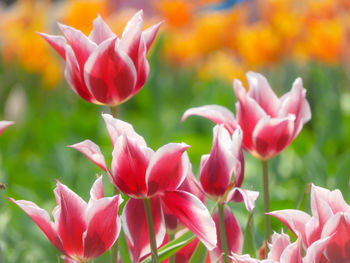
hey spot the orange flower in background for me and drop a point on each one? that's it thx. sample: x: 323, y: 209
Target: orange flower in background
x: 20, y: 45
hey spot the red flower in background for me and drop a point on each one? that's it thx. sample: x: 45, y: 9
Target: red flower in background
x: 102, y: 68
x: 81, y: 231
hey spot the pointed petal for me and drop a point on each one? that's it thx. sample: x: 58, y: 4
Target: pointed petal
x: 71, y: 222
x: 191, y: 185
x: 185, y: 253
x: 294, y: 102
x: 97, y: 191
x: 91, y: 151
x: 338, y: 247
x: 248, y: 113
x: 100, y: 31
x: 103, y: 226
x: 261, y: 92
x: 57, y: 42
x: 315, y: 251
x: 4, y: 125
x: 215, y: 113
x: 216, y: 171
x: 135, y: 226
x: 295, y: 220
x: 167, y: 168
x: 193, y: 214
x: 129, y: 165
x: 150, y: 33
x: 234, y: 235
x: 117, y: 127
x: 272, y: 135
x: 81, y: 44
x: 143, y: 67
x: 109, y: 73
x: 131, y: 37
x: 74, y: 77
x: 42, y: 219
x: 292, y: 253
x: 243, y: 258
x: 243, y: 195
x: 237, y: 138
x: 278, y: 245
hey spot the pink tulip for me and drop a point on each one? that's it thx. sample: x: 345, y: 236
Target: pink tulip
x: 269, y: 123
x: 4, y: 125
x: 139, y: 172
x: 81, y: 231
x: 102, y: 68
x: 330, y: 221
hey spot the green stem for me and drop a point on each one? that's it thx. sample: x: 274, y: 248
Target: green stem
x: 114, y: 248
x: 223, y: 232
x: 151, y: 232
x: 266, y: 203
x: 171, y: 238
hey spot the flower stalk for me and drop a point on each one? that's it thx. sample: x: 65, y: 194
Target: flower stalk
x: 266, y: 202
x: 151, y: 232
x: 223, y: 232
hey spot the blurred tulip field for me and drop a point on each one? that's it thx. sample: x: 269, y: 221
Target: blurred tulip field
x: 201, y: 47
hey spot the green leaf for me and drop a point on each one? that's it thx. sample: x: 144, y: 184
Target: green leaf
x: 123, y: 248
x: 249, y: 243
x: 199, y: 254
x: 172, y: 247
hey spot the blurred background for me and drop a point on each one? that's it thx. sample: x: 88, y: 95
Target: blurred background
x: 202, y: 46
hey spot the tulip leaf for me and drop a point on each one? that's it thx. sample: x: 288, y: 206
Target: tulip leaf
x: 199, y: 254
x: 172, y: 247
x: 249, y: 243
x: 123, y: 248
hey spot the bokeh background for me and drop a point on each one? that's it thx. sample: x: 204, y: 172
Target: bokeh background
x: 202, y: 46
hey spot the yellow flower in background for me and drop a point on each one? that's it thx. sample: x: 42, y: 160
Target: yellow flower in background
x: 21, y: 45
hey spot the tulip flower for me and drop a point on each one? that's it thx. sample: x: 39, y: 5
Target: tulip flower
x: 102, y: 68
x: 283, y: 251
x: 330, y: 220
x: 152, y: 177
x: 269, y: 123
x: 4, y: 125
x: 81, y: 231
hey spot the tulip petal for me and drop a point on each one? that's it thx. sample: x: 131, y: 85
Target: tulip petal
x: 100, y: 31
x: 278, y: 245
x: 117, y: 127
x: 97, y: 191
x: 143, y: 67
x: 109, y: 73
x: 71, y: 222
x: 294, y: 102
x: 338, y: 247
x: 91, y: 151
x: 57, y: 42
x: 81, y: 44
x: 4, y: 125
x: 135, y: 226
x: 234, y: 235
x: 167, y: 168
x: 103, y: 226
x: 129, y: 165
x: 74, y: 76
x: 150, y: 33
x: 261, y: 92
x: 42, y: 219
x: 215, y: 113
x: 248, y: 113
x: 315, y: 251
x: 243, y: 258
x: 292, y: 253
x: 243, y: 195
x: 193, y: 214
x: 272, y: 135
x: 216, y: 171
x: 295, y: 220
x: 130, y: 40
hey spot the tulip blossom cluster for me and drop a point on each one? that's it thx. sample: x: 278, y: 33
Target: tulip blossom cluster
x: 81, y: 231
x: 141, y: 173
x: 102, y: 68
x: 269, y: 123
